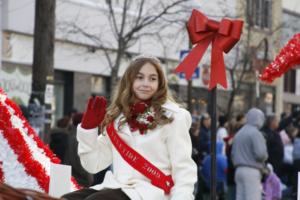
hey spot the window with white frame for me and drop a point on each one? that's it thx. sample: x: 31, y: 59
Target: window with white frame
x: 290, y: 78
x: 259, y: 13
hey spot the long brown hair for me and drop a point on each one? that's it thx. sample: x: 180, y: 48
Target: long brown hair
x: 123, y: 95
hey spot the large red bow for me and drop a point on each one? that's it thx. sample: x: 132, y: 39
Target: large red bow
x: 202, y: 31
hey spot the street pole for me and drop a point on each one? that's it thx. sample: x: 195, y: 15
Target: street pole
x: 43, y: 57
x: 257, y: 89
x: 213, y: 114
x: 190, y: 87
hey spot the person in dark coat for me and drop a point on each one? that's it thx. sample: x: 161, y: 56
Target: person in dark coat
x: 194, y: 133
x: 274, y: 144
x: 59, y: 138
x: 71, y: 158
x: 204, y: 136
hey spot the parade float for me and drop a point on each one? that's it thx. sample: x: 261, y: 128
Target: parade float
x: 24, y: 159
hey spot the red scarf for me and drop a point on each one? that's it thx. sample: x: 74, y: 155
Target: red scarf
x: 142, y: 116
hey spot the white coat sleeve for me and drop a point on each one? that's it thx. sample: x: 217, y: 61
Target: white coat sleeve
x: 184, y: 169
x: 95, y: 152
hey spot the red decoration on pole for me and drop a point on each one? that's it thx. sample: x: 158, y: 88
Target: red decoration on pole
x: 288, y: 57
x: 202, y: 31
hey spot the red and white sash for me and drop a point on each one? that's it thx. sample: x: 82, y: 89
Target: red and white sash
x: 138, y: 162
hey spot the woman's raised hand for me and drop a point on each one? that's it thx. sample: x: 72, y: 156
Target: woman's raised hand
x: 95, y: 112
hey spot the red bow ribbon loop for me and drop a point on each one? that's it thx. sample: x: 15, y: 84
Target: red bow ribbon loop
x: 202, y: 31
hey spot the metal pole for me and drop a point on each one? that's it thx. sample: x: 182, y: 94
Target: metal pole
x: 257, y: 89
x: 189, y: 91
x: 213, y: 114
x: 190, y: 87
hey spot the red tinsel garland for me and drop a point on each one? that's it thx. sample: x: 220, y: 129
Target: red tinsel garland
x: 21, y: 149
x: 32, y: 133
x: 23, y: 153
x: 288, y: 57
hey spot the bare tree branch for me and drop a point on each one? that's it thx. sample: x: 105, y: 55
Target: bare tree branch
x: 141, y: 8
x: 128, y: 27
x: 124, y: 17
x: 150, y: 20
x: 97, y: 40
x: 112, y: 17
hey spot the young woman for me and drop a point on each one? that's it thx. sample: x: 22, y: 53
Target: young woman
x: 143, y: 134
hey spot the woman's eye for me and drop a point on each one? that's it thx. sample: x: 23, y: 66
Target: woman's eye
x: 153, y: 79
x: 139, y: 77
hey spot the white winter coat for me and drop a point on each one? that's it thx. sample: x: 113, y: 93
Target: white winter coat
x: 168, y: 147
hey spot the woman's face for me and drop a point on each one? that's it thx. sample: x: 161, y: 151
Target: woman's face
x: 207, y: 122
x: 274, y: 124
x: 146, y: 82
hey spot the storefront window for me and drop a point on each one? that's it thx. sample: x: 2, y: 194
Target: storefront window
x: 16, y: 82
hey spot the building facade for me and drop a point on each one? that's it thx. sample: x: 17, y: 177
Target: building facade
x: 82, y: 69
x: 80, y: 65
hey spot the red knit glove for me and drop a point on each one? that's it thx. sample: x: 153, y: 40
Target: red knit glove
x: 94, y: 113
